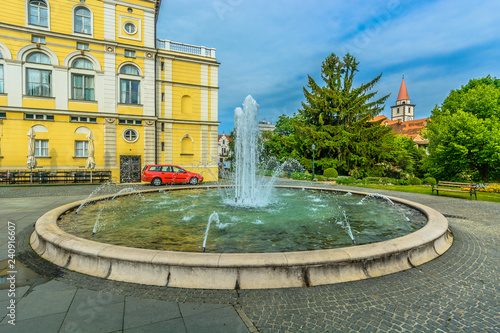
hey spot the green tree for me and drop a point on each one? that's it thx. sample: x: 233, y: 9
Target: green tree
x: 335, y: 117
x: 464, y: 133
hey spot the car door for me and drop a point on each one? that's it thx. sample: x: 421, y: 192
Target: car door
x: 180, y: 175
x: 167, y: 175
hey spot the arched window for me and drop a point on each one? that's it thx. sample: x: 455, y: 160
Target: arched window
x: 129, y: 69
x: 129, y: 86
x: 82, y: 64
x: 38, y: 13
x: 83, y: 21
x: 82, y: 82
x: 38, y: 79
x: 38, y: 58
x: 186, y: 104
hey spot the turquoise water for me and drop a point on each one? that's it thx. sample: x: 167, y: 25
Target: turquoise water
x: 295, y: 220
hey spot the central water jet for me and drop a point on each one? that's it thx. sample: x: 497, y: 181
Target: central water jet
x: 247, y: 154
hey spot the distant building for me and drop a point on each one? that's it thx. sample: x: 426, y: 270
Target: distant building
x: 402, y: 118
x: 223, y: 147
x: 403, y: 110
x: 266, y: 126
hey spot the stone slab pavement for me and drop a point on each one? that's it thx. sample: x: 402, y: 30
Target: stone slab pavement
x: 457, y: 292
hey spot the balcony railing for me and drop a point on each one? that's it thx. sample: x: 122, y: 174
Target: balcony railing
x: 185, y: 48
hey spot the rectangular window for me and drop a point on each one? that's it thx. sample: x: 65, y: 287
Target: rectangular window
x: 122, y: 121
x: 129, y: 54
x: 163, y: 127
x: 39, y: 116
x: 163, y: 146
x: 82, y: 46
x: 3, y: 115
x: 83, y: 87
x: 38, y: 82
x: 38, y: 39
x: 38, y: 14
x: 81, y: 148
x: 41, y: 148
x: 129, y: 91
x: 1, y: 79
x: 83, y: 119
x: 163, y: 97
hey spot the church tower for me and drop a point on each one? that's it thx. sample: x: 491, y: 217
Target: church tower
x: 403, y: 110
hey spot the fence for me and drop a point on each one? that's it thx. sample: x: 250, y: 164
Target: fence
x: 53, y: 176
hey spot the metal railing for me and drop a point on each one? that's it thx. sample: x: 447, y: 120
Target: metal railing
x: 185, y: 48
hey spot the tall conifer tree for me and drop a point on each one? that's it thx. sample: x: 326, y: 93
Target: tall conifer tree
x: 336, y: 118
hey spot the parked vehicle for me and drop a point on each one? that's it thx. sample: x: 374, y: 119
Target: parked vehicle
x: 169, y: 174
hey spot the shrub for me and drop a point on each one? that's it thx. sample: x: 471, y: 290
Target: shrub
x: 347, y: 180
x: 430, y: 181
x: 300, y: 176
x: 415, y: 181
x: 330, y: 173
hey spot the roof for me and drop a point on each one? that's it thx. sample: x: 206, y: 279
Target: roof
x: 224, y: 134
x: 403, y: 93
x: 410, y: 128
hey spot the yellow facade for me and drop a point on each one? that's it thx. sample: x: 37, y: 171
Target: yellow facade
x: 77, y: 67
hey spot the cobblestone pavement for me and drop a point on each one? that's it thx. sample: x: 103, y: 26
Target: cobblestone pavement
x: 457, y: 292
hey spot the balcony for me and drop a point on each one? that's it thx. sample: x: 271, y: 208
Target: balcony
x: 185, y: 48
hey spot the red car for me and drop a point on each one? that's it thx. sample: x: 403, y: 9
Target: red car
x: 169, y: 174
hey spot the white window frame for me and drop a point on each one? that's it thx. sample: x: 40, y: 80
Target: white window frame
x: 2, y: 79
x: 91, y: 33
x: 84, y: 149
x: 37, y: 66
x: 41, y: 27
x: 137, y: 22
x: 40, y: 70
x: 130, y: 77
x: 41, y: 148
x: 84, y: 73
x: 130, y: 139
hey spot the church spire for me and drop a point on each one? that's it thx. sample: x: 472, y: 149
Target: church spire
x: 403, y: 93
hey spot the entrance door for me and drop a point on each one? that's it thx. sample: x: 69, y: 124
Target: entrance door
x: 130, y: 168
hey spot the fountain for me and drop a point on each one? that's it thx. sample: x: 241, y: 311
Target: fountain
x: 211, y: 257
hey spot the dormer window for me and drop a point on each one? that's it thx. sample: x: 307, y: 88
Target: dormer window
x: 38, y: 13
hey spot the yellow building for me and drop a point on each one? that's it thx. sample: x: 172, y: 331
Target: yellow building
x: 68, y: 68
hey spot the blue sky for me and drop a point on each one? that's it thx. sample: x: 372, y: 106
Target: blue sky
x: 267, y: 48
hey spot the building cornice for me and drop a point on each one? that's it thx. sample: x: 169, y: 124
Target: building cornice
x: 187, y: 85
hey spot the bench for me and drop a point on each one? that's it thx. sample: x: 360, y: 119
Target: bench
x: 461, y: 187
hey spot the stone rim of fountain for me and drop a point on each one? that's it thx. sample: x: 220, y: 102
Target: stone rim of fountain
x: 241, y: 270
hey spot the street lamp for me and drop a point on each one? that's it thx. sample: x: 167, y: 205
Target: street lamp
x: 313, y: 147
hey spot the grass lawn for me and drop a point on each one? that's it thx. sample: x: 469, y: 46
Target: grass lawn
x: 483, y: 196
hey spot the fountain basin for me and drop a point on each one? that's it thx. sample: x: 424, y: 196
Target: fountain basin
x: 241, y: 270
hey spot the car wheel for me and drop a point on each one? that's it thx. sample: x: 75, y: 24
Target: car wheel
x: 193, y: 181
x: 156, y: 181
